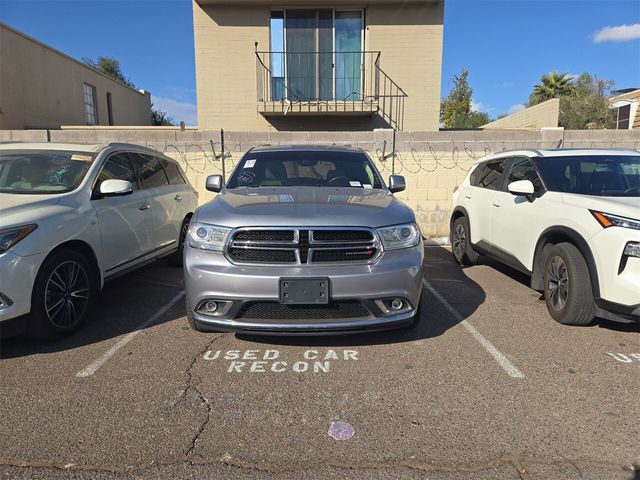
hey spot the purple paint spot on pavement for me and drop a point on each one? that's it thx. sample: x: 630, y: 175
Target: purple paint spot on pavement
x: 341, y: 430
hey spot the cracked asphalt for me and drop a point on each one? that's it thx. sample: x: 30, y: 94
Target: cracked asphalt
x: 437, y: 402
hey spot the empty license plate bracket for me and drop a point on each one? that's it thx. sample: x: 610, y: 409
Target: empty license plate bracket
x: 304, y: 291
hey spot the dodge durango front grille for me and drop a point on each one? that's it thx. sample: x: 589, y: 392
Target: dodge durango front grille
x: 303, y: 246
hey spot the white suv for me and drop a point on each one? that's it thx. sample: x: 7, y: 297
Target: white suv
x: 73, y: 216
x: 568, y: 218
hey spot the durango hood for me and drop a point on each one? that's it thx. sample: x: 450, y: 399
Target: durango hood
x: 622, y: 206
x: 304, y: 206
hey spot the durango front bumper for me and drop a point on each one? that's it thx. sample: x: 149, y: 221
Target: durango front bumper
x: 247, y: 298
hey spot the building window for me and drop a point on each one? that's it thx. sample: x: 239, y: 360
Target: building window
x: 90, y: 104
x: 109, y: 109
x: 623, y: 117
x: 316, y: 54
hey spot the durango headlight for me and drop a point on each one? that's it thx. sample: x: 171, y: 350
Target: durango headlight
x: 12, y: 235
x: 399, y: 236
x: 609, y: 220
x: 207, y: 237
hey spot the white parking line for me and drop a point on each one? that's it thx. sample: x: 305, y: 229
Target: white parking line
x: 506, y: 365
x: 100, y: 361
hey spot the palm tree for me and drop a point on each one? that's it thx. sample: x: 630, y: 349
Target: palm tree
x: 553, y: 85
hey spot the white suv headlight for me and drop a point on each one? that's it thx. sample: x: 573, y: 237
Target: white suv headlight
x: 399, y: 236
x: 12, y: 235
x: 207, y: 237
x: 609, y: 220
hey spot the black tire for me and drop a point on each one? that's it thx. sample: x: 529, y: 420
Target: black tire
x: 177, y: 259
x: 463, y: 252
x: 567, y: 286
x: 63, y: 293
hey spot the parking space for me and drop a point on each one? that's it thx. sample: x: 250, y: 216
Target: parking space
x: 487, y: 386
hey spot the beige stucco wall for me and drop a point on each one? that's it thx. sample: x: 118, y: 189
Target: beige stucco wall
x: 43, y: 88
x: 542, y: 115
x: 409, y: 35
x: 410, y: 39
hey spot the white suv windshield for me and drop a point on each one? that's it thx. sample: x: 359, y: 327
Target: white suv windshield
x: 42, y: 171
x: 602, y: 175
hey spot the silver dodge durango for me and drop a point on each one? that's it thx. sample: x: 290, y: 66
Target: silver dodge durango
x: 303, y: 240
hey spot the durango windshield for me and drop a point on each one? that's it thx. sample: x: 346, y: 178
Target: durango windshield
x: 305, y: 168
x: 41, y: 172
x: 602, y: 175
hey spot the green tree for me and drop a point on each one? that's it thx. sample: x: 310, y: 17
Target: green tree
x: 160, y: 118
x: 111, y: 67
x: 553, y: 85
x: 455, y: 109
x: 587, y: 107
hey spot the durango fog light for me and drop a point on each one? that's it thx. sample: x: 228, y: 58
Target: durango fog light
x: 210, y: 307
x: 397, y: 304
x: 632, y: 249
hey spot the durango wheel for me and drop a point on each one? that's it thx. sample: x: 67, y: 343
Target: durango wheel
x: 62, y: 295
x: 567, y: 286
x: 461, y: 248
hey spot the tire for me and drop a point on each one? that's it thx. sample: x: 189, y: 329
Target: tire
x: 463, y: 252
x: 63, y: 293
x: 177, y: 259
x: 567, y: 286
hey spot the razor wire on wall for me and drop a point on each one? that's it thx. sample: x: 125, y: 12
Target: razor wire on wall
x: 407, y: 157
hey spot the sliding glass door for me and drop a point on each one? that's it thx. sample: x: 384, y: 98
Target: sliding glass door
x: 348, y: 27
x: 316, y: 54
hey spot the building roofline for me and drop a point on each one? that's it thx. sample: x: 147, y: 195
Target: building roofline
x: 69, y: 57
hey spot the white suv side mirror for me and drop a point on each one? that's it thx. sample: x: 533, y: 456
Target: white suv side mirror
x: 521, y: 187
x: 115, y: 188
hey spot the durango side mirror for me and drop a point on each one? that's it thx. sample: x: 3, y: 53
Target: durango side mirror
x: 214, y: 183
x: 397, y: 183
x: 115, y: 188
x: 522, y: 188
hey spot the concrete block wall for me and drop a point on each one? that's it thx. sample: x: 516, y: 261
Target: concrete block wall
x: 433, y: 163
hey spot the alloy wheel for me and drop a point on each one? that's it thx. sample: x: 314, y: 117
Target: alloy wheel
x: 66, y: 294
x: 558, y: 283
x: 459, y: 241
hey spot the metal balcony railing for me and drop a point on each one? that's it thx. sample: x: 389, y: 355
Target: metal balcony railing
x: 327, y: 82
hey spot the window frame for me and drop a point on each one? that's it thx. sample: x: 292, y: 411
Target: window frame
x: 501, y: 180
x: 507, y: 173
x: 94, y: 105
x: 363, y: 29
x: 95, y: 194
x: 175, y: 164
x: 626, y: 121
x: 137, y: 169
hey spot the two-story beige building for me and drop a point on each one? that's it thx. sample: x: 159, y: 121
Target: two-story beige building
x: 307, y: 65
x: 41, y: 87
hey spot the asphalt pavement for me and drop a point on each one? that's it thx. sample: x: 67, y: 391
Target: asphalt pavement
x: 488, y: 386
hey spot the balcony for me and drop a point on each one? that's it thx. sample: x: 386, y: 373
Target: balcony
x: 327, y: 83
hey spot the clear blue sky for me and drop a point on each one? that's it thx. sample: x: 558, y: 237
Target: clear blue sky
x: 506, y: 45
